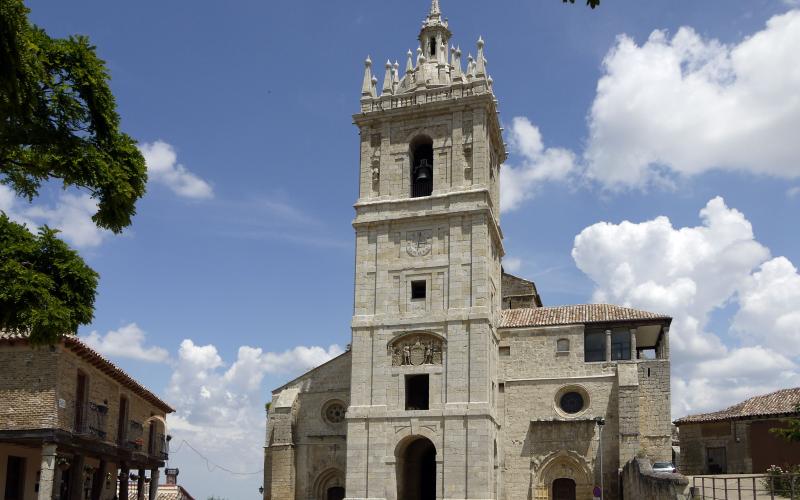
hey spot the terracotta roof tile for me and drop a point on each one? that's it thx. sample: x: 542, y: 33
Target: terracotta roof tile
x: 573, y: 315
x: 783, y: 402
x: 82, y: 349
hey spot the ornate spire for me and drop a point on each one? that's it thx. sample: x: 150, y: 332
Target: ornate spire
x: 435, y: 10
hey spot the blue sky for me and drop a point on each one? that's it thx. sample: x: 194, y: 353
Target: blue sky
x: 238, y: 269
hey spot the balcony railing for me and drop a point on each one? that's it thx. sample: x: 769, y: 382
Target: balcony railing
x: 135, y: 442
x: 160, y: 447
x: 87, y: 419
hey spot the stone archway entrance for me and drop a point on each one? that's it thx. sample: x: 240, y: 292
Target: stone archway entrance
x: 416, y: 470
x: 564, y: 489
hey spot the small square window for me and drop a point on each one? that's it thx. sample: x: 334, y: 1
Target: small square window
x: 417, y: 392
x: 419, y: 289
x: 505, y: 350
x: 562, y: 345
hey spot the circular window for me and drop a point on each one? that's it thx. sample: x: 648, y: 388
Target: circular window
x: 571, y: 402
x: 334, y: 412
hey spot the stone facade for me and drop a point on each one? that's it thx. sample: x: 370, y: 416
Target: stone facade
x: 46, y: 420
x: 446, y: 399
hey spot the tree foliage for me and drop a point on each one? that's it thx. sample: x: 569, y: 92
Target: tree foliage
x: 58, y: 120
x: 791, y: 432
x: 46, y: 289
x: 590, y: 3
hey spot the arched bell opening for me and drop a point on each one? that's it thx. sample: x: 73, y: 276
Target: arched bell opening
x: 421, y: 152
x: 416, y: 469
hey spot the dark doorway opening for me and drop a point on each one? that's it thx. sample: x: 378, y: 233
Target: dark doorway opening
x: 417, y: 471
x: 417, y: 392
x: 15, y: 478
x: 717, y: 460
x: 563, y: 489
x: 421, y: 167
x: 335, y: 493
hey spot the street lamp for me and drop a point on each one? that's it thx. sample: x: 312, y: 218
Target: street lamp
x: 600, y: 421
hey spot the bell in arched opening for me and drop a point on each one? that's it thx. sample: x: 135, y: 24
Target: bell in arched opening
x: 422, y: 167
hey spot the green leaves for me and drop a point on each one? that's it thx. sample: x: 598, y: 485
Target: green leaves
x: 46, y: 289
x: 58, y: 120
x: 791, y: 432
x: 590, y: 3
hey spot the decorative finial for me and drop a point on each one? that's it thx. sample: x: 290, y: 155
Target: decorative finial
x: 387, y: 79
x: 409, y: 63
x: 480, y: 62
x: 395, y: 76
x: 435, y: 10
x: 366, y: 85
x: 374, y: 87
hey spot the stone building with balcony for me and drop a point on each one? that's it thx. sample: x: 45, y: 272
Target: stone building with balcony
x: 459, y: 384
x: 73, y: 426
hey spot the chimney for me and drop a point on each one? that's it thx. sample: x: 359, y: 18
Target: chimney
x: 172, y: 476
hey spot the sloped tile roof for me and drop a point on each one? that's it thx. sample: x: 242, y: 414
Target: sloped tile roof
x: 783, y: 402
x: 573, y: 315
x: 97, y: 360
x: 165, y: 492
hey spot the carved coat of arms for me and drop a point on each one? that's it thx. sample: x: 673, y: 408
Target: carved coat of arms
x: 418, y: 243
x: 417, y: 350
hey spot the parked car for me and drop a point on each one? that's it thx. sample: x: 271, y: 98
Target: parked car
x: 664, y: 467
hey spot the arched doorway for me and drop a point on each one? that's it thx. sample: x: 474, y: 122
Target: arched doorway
x: 416, y: 470
x: 335, y: 493
x: 564, y: 489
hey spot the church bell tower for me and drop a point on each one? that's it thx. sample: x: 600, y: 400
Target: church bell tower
x: 422, y: 422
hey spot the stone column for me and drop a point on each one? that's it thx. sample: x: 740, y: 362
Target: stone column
x: 57, y: 483
x: 608, y: 345
x: 665, y: 342
x: 76, y: 477
x: 98, y: 480
x: 153, y: 484
x: 123, y: 481
x: 634, y: 354
x: 48, y: 466
x: 140, y: 485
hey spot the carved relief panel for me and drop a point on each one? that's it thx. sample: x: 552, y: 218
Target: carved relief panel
x: 416, y: 350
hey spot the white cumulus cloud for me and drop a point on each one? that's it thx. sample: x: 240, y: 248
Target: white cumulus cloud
x: 689, y: 273
x: 71, y: 214
x: 126, y: 342
x: 220, y: 406
x: 163, y: 167
x: 686, y: 104
x: 537, y: 164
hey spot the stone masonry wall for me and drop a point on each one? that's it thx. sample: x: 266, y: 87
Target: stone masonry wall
x: 305, y: 451
x: 639, y: 483
x: 27, y: 387
x: 655, y: 410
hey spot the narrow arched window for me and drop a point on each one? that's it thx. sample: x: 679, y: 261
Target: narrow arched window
x: 421, y: 152
x: 432, y: 46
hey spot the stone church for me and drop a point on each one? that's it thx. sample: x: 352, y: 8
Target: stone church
x: 458, y: 383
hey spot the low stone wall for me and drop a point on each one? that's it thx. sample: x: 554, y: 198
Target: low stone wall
x: 639, y: 482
